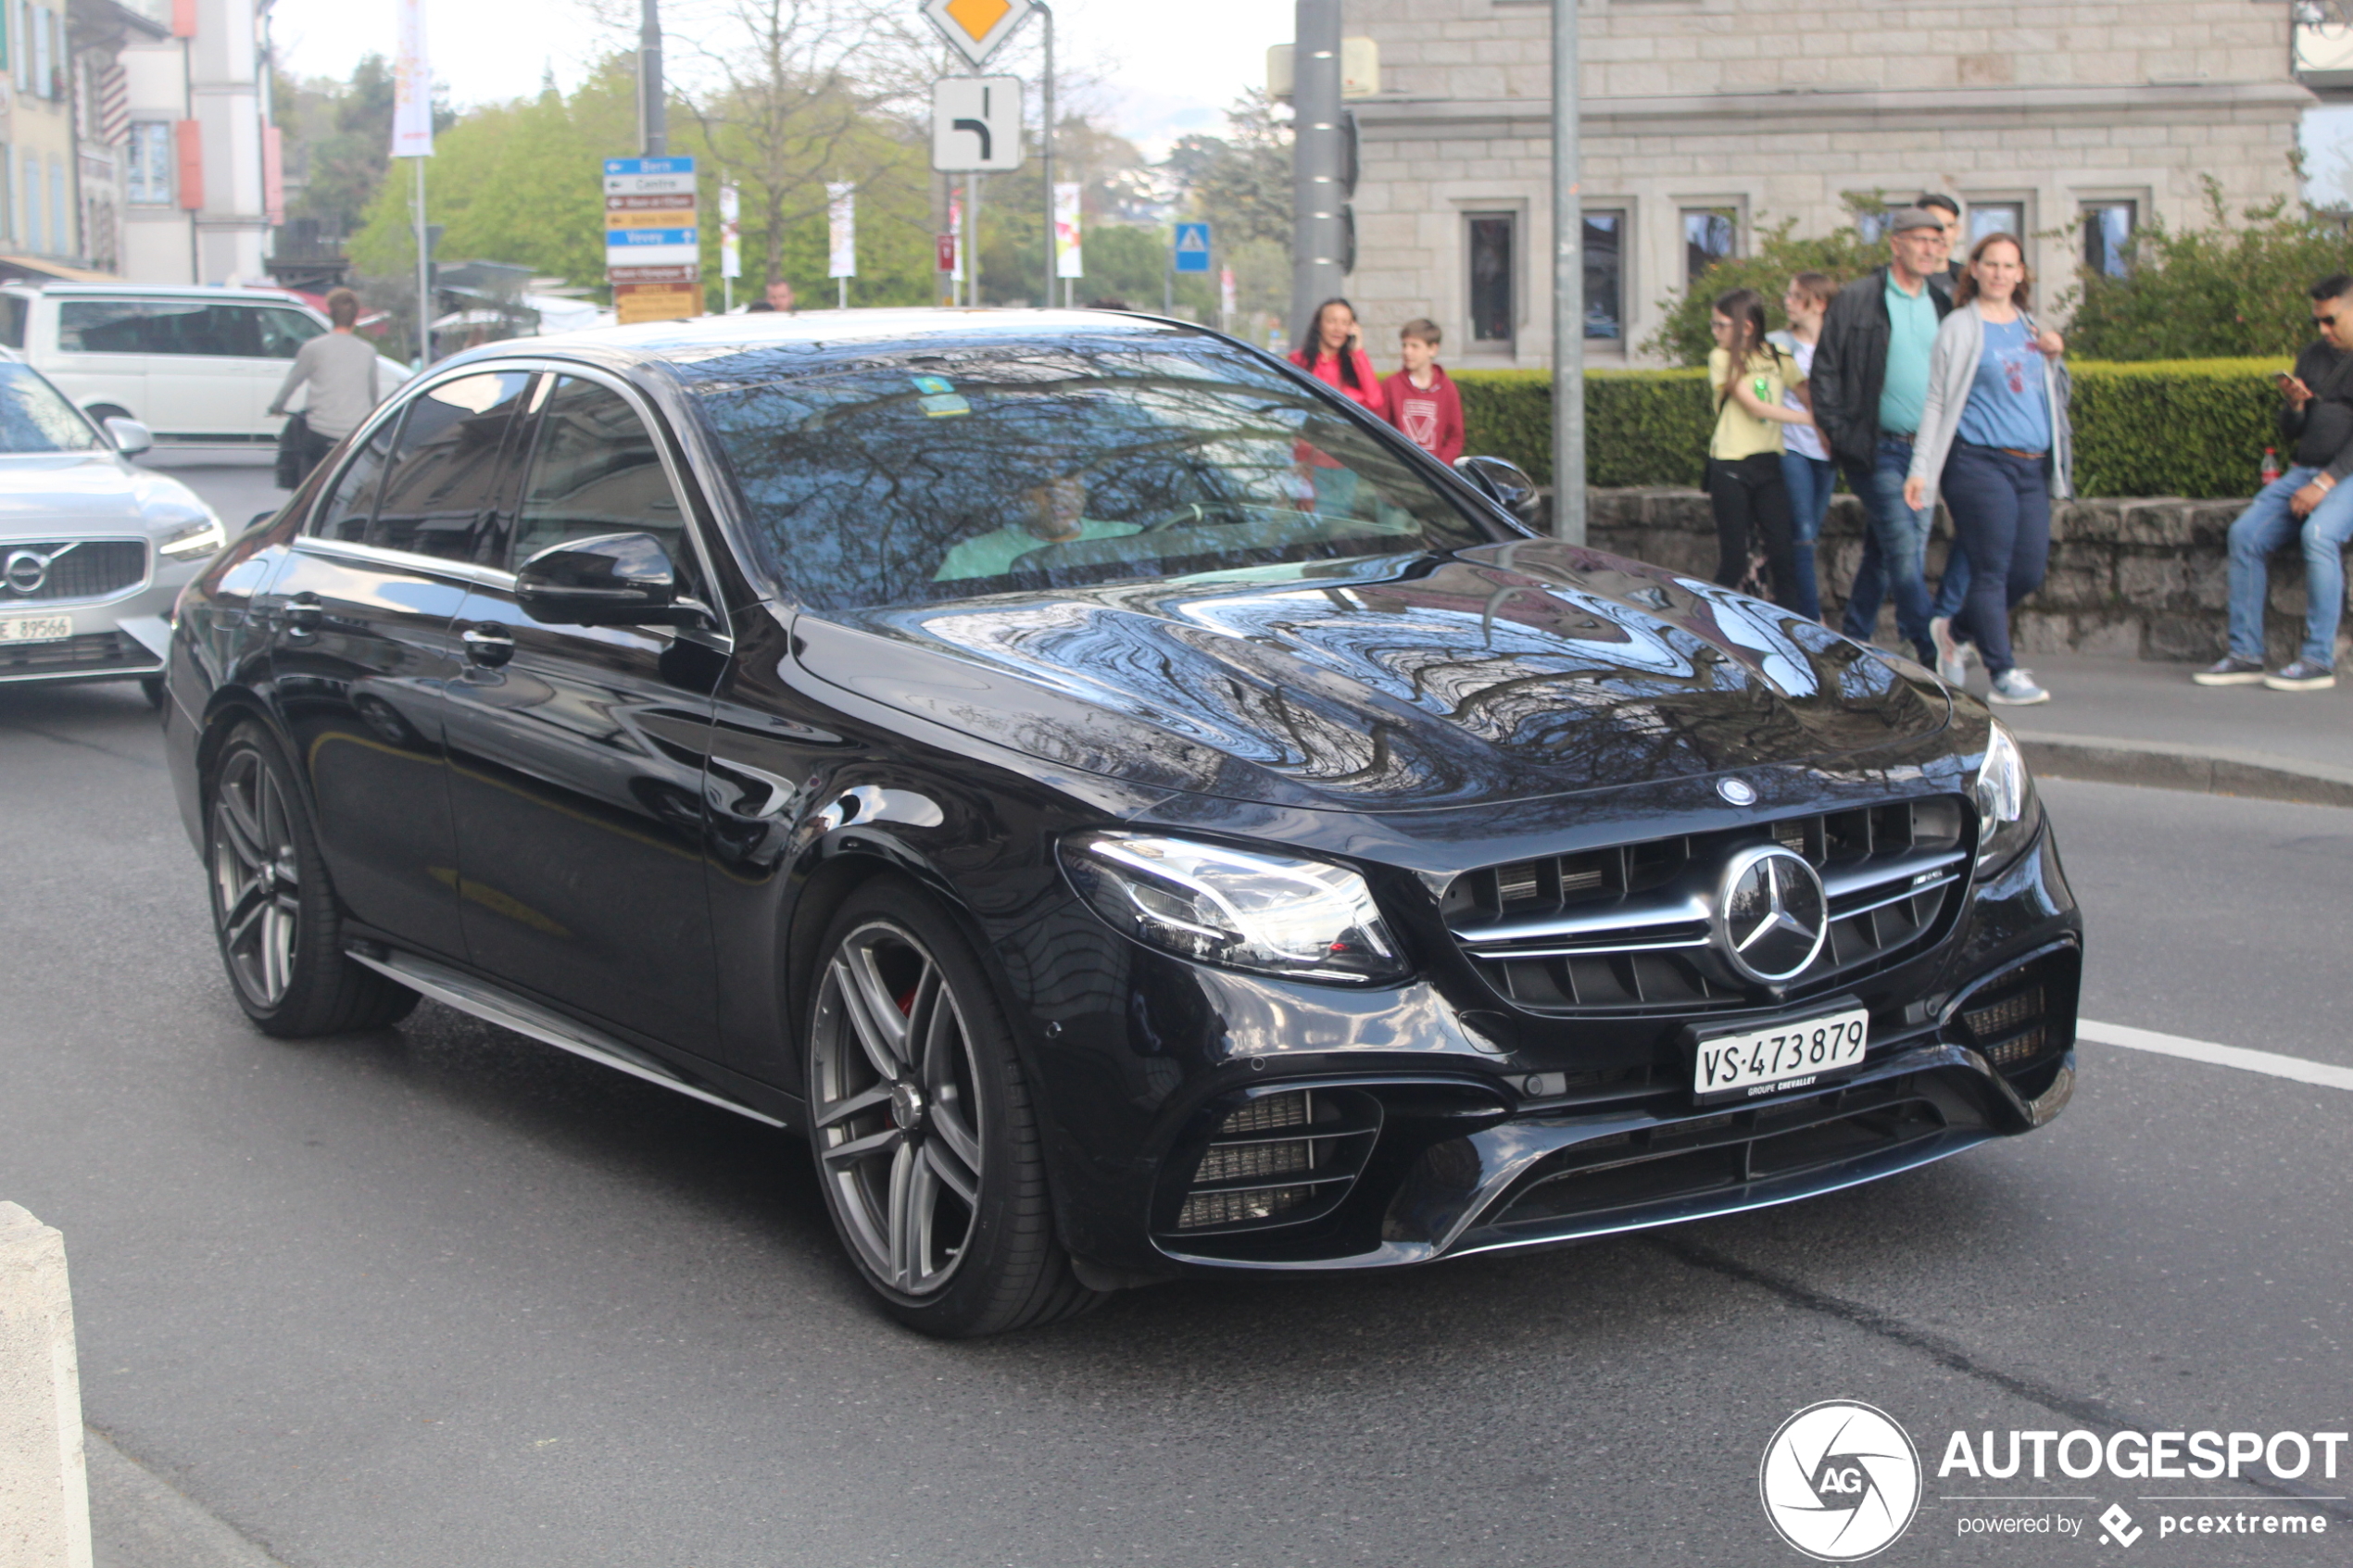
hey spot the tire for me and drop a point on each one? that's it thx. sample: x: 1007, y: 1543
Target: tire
x: 922, y: 1127
x: 273, y: 909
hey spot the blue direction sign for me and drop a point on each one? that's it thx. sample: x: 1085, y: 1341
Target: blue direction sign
x: 1192, y: 247
x: 614, y: 166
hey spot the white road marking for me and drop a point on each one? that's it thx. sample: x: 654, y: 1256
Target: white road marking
x: 2278, y: 1066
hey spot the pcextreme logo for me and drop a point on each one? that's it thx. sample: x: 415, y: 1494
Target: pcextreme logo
x: 1840, y: 1481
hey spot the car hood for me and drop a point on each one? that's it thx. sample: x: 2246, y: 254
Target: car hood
x: 1510, y: 671
x: 52, y: 496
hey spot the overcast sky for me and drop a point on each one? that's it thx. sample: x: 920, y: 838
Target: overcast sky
x: 1168, y: 66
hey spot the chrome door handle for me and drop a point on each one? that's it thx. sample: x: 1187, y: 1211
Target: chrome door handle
x: 302, y: 615
x: 488, y: 645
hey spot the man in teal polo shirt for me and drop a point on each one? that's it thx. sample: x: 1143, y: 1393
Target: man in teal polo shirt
x: 1870, y: 384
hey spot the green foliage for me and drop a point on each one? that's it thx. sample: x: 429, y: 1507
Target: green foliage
x: 2214, y: 292
x: 517, y: 182
x: 2194, y: 428
x: 1241, y: 181
x: 1780, y: 255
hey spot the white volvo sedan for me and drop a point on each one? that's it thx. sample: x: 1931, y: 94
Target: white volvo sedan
x: 94, y: 550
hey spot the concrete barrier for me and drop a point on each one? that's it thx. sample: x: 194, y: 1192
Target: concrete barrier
x: 45, y: 1493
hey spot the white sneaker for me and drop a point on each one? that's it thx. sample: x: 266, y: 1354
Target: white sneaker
x: 1952, y: 656
x: 2015, y: 687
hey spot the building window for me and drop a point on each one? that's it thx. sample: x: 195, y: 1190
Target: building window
x: 1605, y: 276
x: 1873, y: 226
x: 61, y: 235
x: 1711, y: 234
x: 1996, y: 217
x: 33, y: 231
x: 1492, y: 243
x: 147, y: 164
x: 2107, y: 236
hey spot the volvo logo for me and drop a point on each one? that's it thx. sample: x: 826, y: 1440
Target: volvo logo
x: 26, y: 570
x: 1772, y: 914
x: 1740, y: 792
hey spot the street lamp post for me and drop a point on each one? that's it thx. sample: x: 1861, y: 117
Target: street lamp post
x: 653, y: 119
x: 1317, y: 161
x: 1568, y: 286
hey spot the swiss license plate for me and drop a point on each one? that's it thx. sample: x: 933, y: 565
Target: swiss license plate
x: 36, y: 628
x: 1787, y: 1056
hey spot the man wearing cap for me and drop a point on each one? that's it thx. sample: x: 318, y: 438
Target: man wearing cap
x: 1869, y: 385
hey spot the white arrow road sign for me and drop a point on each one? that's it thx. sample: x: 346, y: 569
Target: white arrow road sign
x: 975, y: 124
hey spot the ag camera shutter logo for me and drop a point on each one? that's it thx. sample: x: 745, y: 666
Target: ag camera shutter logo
x: 1840, y: 1481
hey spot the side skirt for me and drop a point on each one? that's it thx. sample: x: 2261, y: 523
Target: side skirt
x: 509, y: 1011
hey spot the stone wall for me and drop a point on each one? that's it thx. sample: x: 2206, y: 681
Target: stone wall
x: 2144, y: 579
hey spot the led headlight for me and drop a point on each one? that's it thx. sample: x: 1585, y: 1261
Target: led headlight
x: 198, y: 539
x: 2006, y: 810
x: 1272, y: 914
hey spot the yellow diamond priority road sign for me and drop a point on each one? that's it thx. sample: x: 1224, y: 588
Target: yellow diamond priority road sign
x: 978, y: 29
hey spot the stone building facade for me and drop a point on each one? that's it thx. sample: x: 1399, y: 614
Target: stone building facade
x: 2073, y: 120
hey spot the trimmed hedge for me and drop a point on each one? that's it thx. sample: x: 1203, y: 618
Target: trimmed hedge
x: 2184, y: 427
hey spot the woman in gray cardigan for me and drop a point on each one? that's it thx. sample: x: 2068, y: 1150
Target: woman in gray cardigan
x: 1995, y: 439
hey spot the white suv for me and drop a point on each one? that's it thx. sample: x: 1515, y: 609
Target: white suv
x: 196, y: 366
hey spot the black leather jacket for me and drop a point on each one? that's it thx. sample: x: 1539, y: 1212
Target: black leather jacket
x: 1850, y: 365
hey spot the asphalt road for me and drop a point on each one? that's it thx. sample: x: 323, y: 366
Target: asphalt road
x: 440, y: 1296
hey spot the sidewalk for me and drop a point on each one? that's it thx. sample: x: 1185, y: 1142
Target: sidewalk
x: 2141, y: 721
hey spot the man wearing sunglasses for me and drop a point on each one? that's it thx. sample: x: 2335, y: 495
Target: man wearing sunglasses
x: 2309, y: 503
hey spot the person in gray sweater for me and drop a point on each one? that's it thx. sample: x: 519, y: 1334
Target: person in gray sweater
x: 339, y: 369
x: 1995, y: 439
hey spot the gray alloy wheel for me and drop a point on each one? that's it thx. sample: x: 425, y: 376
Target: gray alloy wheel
x: 256, y: 879
x: 273, y: 906
x: 921, y: 1118
x: 897, y: 1111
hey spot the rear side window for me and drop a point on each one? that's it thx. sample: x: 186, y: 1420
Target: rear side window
x: 596, y: 471
x: 12, y: 315
x: 449, y: 476
x: 347, y: 509
x: 161, y: 326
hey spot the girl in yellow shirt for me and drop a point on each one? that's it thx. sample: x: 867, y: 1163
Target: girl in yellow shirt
x: 1744, y: 451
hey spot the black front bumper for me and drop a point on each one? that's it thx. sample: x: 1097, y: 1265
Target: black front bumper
x: 1456, y: 1138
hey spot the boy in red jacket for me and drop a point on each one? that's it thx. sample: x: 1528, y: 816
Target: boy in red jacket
x: 1422, y: 400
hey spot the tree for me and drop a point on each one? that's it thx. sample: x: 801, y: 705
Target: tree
x: 1241, y: 181
x: 2221, y: 291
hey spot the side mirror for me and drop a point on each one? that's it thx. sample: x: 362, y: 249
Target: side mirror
x: 1506, y: 483
x: 611, y: 579
x: 130, y: 436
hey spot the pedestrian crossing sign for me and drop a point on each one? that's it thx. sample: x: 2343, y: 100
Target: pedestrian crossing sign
x: 1192, y: 247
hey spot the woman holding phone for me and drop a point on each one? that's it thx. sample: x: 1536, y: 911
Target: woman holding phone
x: 1994, y: 439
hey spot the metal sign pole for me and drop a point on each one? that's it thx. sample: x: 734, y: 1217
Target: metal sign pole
x: 1317, y: 162
x: 1046, y: 151
x: 653, y: 113
x: 1568, y: 286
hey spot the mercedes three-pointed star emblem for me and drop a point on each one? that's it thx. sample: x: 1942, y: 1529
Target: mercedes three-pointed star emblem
x: 1772, y: 914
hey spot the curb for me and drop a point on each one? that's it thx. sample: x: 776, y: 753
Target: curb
x: 2203, y: 770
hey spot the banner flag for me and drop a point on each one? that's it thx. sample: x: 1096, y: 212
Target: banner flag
x: 411, y: 83
x: 841, y: 228
x: 1069, y: 260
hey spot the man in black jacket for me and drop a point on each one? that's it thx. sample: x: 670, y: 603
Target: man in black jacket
x: 2305, y: 503
x: 1870, y: 384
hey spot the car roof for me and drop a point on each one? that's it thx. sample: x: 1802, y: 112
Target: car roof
x: 160, y: 291
x: 838, y: 330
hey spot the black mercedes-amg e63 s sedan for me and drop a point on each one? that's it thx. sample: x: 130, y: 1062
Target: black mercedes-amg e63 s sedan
x: 1132, y: 813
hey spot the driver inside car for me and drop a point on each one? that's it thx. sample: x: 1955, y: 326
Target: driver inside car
x: 1054, y: 515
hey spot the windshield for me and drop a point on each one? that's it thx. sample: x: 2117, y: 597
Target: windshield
x: 35, y: 418
x: 928, y: 472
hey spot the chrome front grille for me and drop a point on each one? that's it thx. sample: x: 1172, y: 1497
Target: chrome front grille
x: 59, y: 571
x: 1626, y: 928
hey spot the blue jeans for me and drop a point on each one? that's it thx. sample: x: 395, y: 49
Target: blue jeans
x: 2001, y: 507
x: 1892, y: 551
x: 1808, y: 481
x: 1952, y: 589
x: 2265, y: 526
